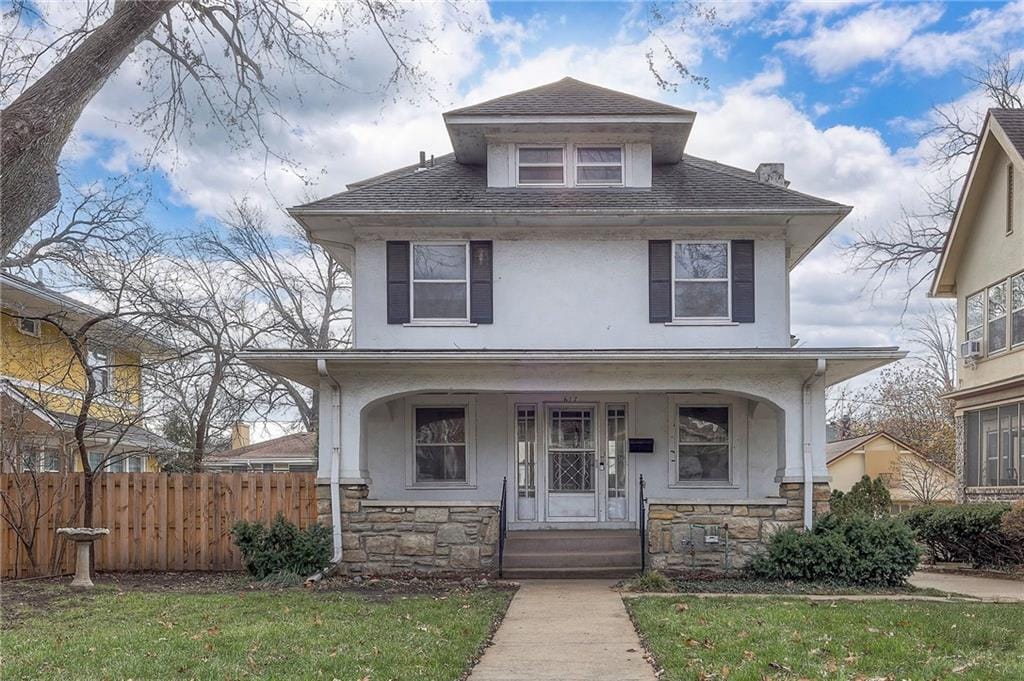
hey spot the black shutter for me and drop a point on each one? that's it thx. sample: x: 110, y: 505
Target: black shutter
x: 398, y: 282
x: 659, y: 267
x: 743, y: 280
x: 481, y: 282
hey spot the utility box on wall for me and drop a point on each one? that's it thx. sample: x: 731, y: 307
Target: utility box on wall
x: 641, y: 445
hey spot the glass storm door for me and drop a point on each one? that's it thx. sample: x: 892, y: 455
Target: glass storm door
x: 572, y: 463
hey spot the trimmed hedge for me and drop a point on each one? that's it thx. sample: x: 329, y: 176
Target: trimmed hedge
x: 282, y: 548
x: 851, y: 550
x: 967, y: 533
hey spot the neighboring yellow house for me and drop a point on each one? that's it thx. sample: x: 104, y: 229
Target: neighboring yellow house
x: 42, y: 385
x: 911, y: 478
x: 982, y: 266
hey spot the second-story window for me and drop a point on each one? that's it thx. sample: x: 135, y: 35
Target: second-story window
x: 975, y: 325
x: 29, y: 327
x: 541, y: 165
x: 599, y: 166
x: 700, y: 274
x: 997, y: 317
x: 102, y: 371
x: 1017, y: 312
x: 440, y: 281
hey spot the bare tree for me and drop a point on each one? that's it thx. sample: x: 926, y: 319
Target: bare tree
x: 913, y: 243
x: 200, y: 57
x: 935, y: 332
x: 926, y: 482
x: 676, y: 16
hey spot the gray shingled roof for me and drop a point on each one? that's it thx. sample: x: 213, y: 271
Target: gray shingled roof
x: 568, y: 97
x: 450, y: 186
x: 1012, y: 122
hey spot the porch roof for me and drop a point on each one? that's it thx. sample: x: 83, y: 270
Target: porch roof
x: 302, y: 365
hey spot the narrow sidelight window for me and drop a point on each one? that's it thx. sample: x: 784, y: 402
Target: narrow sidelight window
x: 440, y: 444
x: 599, y: 166
x: 701, y: 280
x: 703, y: 444
x: 440, y: 282
x: 996, y: 317
x: 541, y: 165
x: 1017, y: 309
x: 526, y: 451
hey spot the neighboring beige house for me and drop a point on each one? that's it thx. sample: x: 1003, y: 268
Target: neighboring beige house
x: 912, y: 479
x: 296, y: 452
x: 982, y: 266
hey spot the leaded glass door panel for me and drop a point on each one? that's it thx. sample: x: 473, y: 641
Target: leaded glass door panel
x: 571, y: 463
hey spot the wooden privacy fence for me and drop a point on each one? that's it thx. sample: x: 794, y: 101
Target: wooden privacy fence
x: 157, y: 521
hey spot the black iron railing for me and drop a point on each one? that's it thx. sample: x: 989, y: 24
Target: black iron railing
x: 643, y: 526
x: 502, y: 518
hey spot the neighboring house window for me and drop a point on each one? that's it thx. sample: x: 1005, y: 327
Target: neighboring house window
x: 29, y: 327
x: 700, y: 274
x: 440, y: 445
x: 440, y: 282
x: 95, y: 460
x: 39, y: 458
x: 993, y: 449
x: 99, y: 361
x: 541, y: 165
x: 703, y: 444
x: 599, y: 166
x: 134, y: 464
x: 1009, y: 199
x: 996, y: 317
x: 975, y: 324
x: 1017, y: 309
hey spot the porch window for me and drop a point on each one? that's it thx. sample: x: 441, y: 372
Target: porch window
x: 541, y: 165
x: 700, y: 274
x: 997, y: 317
x: 601, y: 166
x: 993, y: 447
x: 703, y: 444
x: 440, y: 445
x: 440, y: 282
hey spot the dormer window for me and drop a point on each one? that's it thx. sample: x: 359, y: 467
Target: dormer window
x: 601, y: 166
x: 541, y: 165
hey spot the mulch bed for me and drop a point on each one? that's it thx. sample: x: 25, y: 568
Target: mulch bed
x: 709, y: 581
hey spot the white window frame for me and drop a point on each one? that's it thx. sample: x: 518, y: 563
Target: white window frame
x: 984, y: 309
x: 1010, y: 310
x: 35, y: 329
x: 413, y: 281
x: 1005, y: 283
x: 728, y: 282
x: 577, y: 164
x: 467, y: 403
x: 101, y: 360
x: 564, y: 165
x: 673, y: 480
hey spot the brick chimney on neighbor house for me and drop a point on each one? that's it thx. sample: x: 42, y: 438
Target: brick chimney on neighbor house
x: 240, y: 436
x: 772, y: 173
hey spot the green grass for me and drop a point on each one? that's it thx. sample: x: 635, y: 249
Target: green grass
x: 705, y: 582
x: 747, y: 638
x: 292, y: 633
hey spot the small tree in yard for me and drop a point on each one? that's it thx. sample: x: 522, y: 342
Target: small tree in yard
x: 868, y: 497
x: 926, y: 482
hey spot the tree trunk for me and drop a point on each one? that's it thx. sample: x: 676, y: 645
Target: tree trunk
x: 37, y: 124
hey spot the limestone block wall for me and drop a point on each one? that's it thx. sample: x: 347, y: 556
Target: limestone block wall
x: 381, y: 537
x: 673, y: 545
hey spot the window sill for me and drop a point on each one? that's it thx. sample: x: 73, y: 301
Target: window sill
x: 702, y: 322
x: 443, y: 324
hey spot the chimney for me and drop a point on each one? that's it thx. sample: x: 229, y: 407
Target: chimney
x: 240, y: 435
x: 423, y: 159
x: 772, y: 173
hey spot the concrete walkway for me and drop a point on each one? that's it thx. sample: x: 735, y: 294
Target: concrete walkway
x: 565, y: 630
x: 985, y: 588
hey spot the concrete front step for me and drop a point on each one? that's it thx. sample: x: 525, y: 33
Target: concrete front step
x: 568, y: 559
x: 570, y: 573
x: 597, y: 554
x: 560, y: 541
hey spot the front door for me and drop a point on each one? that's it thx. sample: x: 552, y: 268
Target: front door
x: 572, y: 463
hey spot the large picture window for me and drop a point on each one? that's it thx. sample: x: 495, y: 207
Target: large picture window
x: 440, y: 445
x: 700, y: 271
x: 994, y: 446
x: 599, y: 166
x: 440, y: 276
x: 703, y: 444
x: 541, y: 165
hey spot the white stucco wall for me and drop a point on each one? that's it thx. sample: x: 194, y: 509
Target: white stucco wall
x: 585, y: 292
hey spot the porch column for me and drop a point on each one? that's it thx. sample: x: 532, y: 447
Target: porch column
x: 354, y: 470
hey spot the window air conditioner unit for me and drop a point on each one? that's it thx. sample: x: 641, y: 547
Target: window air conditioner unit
x: 970, y: 349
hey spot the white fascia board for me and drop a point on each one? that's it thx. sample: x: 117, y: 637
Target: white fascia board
x: 582, y: 120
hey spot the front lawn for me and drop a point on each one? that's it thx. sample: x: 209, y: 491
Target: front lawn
x: 247, y: 634
x: 778, y: 638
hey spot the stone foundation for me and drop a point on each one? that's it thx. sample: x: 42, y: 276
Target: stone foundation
x: 381, y: 537
x: 744, y: 526
x: 975, y: 495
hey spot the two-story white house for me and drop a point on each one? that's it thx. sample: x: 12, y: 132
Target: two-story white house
x: 982, y: 266
x: 564, y: 305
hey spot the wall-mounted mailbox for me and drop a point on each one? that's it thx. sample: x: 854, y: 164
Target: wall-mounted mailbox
x: 641, y: 445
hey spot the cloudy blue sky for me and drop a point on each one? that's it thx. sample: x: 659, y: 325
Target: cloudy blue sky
x: 838, y: 91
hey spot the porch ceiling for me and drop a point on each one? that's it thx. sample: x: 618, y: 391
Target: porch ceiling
x: 843, y: 363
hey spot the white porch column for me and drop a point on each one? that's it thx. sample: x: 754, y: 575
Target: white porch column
x: 354, y: 469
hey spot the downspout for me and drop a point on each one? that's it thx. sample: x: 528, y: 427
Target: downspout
x: 321, y: 367
x: 819, y: 371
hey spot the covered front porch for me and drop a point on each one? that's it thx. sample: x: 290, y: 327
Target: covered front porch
x: 417, y: 450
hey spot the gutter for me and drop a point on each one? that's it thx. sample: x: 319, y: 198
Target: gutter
x: 808, y: 463
x: 321, y: 367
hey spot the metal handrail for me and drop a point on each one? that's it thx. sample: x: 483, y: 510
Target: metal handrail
x: 643, y: 526
x: 502, y: 516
